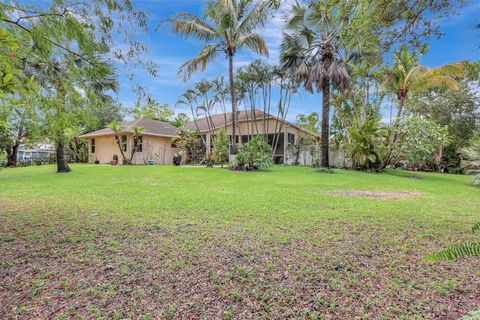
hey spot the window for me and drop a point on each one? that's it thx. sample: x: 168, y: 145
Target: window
x: 291, y: 138
x: 92, y: 146
x: 230, y: 138
x: 245, y: 139
x: 124, y: 143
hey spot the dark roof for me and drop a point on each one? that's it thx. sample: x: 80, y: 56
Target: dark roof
x: 151, y: 127
x: 219, y: 119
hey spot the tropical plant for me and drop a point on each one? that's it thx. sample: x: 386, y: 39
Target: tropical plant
x: 407, y: 76
x: 189, y: 143
x: 310, y: 122
x: 367, y: 145
x: 137, y: 140
x: 253, y: 155
x: 220, y: 148
x: 457, y: 110
x: 227, y: 26
x: 462, y: 250
x: 312, y: 50
x: 117, y: 129
x: 471, y: 153
x: 419, y: 139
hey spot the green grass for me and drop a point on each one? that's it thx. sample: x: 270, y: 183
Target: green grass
x: 187, y: 242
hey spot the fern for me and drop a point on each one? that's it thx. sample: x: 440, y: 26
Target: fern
x: 463, y: 250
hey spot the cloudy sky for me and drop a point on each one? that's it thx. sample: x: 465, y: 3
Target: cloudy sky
x: 169, y: 51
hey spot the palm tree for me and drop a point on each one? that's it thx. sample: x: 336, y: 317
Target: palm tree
x: 311, y: 50
x: 407, y: 75
x: 227, y: 26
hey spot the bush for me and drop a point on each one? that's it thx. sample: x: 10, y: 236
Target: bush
x: 220, y: 148
x: 253, y: 155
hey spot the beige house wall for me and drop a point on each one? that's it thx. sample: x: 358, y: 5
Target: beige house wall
x: 155, y: 148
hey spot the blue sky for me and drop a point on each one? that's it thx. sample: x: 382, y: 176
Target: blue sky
x: 169, y: 51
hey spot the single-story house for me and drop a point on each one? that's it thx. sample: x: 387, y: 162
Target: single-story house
x: 156, y: 141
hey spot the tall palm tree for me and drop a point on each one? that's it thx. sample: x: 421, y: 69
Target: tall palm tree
x: 312, y: 51
x: 227, y: 26
x: 407, y: 76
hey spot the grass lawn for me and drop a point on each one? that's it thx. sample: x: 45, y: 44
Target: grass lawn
x: 148, y: 242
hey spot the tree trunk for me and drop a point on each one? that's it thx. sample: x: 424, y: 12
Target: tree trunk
x: 12, y: 155
x: 325, y: 123
x: 401, y: 102
x: 62, y: 164
x: 397, y: 119
x: 234, y: 104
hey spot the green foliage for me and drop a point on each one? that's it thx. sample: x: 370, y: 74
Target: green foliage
x: 220, y: 147
x: 463, y: 250
x: 152, y: 110
x: 253, y: 155
x: 180, y: 120
x: 12, y: 78
x: 227, y: 26
x: 419, y: 138
x: 367, y: 144
x: 471, y: 154
x: 310, y: 122
x: 190, y: 143
x: 457, y: 110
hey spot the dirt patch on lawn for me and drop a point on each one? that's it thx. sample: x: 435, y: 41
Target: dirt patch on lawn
x: 375, y: 194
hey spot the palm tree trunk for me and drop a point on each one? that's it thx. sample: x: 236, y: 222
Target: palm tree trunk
x: 325, y: 123
x: 234, y: 104
x: 401, y: 102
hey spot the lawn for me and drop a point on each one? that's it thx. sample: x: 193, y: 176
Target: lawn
x: 148, y: 242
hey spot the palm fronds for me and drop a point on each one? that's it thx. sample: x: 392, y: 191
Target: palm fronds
x: 463, y: 250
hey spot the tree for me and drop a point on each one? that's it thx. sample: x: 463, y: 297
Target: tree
x: 310, y: 122
x: 367, y: 144
x: 457, y: 110
x: 227, y: 26
x: 180, y: 120
x: 152, y: 110
x: 75, y: 35
x: 312, y: 50
x: 407, y: 76
x: 419, y: 139
x: 220, y: 148
x: 118, y: 129
x: 21, y: 125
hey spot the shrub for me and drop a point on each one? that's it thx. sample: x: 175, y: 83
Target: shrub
x: 253, y: 155
x: 220, y: 148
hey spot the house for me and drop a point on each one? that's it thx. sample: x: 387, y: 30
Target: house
x: 42, y: 152
x: 155, y: 143
x: 249, y: 124
x: 156, y: 140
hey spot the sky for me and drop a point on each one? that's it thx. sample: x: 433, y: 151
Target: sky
x: 459, y: 42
